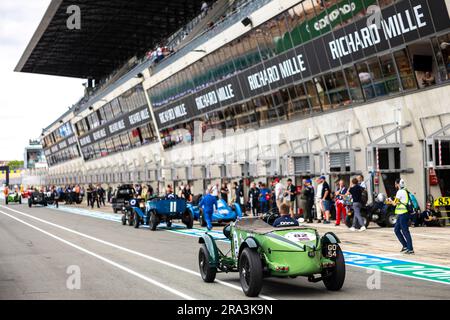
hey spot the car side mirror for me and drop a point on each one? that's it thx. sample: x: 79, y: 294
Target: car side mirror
x: 227, y: 231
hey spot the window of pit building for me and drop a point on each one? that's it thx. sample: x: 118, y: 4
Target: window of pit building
x: 441, y: 50
x: 371, y: 76
x: 337, y: 91
x: 354, y: 85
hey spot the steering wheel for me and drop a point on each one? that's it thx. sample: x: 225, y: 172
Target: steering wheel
x: 270, y: 217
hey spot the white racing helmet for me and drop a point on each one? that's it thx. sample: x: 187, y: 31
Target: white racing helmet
x: 381, y: 197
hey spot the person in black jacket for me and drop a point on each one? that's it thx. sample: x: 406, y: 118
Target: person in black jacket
x: 240, y: 193
x: 253, y: 199
x: 290, y: 197
x: 308, y: 196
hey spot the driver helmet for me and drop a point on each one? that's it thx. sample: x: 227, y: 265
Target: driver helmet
x: 381, y: 197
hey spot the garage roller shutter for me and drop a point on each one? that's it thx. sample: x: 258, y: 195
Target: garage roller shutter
x: 340, y: 160
x: 302, y: 164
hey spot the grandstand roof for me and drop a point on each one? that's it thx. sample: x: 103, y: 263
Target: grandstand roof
x: 112, y: 31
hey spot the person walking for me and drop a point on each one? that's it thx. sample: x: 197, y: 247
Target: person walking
x: 101, y: 195
x: 402, y: 211
x: 209, y: 205
x: 308, y: 197
x: 89, y: 195
x: 224, y: 192
x: 264, y: 198
x: 289, y: 197
x: 356, y: 192
x: 279, y: 193
x: 240, y: 193
x: 318, y: 201
x: 253, y: 199
x: 340, y: 193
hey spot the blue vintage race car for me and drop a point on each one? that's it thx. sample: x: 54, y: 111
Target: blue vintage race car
x: 224, y: 213
x: 156, y: 211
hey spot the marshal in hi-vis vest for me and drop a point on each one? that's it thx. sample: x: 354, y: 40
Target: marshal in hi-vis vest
x: 401, y: 208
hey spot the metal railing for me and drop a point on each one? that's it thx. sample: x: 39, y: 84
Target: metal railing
x: 241, y: 12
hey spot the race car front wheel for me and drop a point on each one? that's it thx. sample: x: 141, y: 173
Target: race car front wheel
x: 136, y: 221
x: 207, y: 272
x: 250, y: 272
x: 334, y: 278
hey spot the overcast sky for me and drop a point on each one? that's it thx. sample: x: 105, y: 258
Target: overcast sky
x: 28, y: 102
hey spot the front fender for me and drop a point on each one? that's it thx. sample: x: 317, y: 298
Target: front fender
x: 330, y: 238
x: 249, y: 243
x: 212, y: 249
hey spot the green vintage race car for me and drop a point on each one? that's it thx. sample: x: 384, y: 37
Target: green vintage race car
x: 13, y: 197
x: 259, y: 250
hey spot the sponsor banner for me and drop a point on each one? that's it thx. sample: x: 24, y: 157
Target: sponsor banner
x: 64, y: 144
x: 399, y: 24
x: 126, y: 122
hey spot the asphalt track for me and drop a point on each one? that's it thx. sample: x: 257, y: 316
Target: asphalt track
x: 40, y: 247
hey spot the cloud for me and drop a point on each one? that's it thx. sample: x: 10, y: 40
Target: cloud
x: 28, y: 102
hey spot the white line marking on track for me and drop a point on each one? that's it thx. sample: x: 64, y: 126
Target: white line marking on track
x: 131, y: 251
x: 115, y: 264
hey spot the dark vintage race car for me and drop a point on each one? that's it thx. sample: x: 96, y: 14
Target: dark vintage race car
x: 122, y: 195
x: 259, y: 250
x: 44, y: 199
x: 37, y: 198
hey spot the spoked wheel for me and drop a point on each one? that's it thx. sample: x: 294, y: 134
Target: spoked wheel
x: 250, y: 272
x: 154, y: 221
x: 130, y: 219
x: 391, y: 220
x: 334, y: 278
x: 207, y: 272
x: 188, y: 220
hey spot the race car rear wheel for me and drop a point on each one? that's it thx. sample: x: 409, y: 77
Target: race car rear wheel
x: 207, y: 272
x: 334, y: 278
x: 250, y: 272
x: 188, y: 220
x: 154, y: 221
x: 130, y: 218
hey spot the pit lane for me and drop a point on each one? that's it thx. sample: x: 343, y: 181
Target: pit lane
x: 167, y: 258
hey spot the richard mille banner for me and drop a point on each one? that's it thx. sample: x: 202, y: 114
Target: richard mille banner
x: 126, y: 122
x: 398, y: 24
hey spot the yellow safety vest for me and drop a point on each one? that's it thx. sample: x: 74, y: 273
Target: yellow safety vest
x: 401, y: 207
